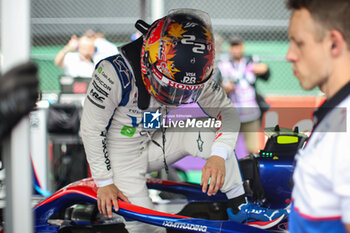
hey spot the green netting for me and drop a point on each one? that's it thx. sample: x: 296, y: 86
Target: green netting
x: 48, y: 73
x: 281, y: 82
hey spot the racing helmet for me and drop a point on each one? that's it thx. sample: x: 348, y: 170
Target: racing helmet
x: 177, y: 56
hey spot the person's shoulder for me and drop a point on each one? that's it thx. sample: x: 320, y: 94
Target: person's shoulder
x: 106, y: 67
x: 251, y: 58
x: 337, y: 118
x: 118, y: 61
x: 212, y: 86
x: 115, y: 66
x: 222, y: 57
x: 114, y: 60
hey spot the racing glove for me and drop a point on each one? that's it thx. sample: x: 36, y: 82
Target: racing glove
x: 18, y: 94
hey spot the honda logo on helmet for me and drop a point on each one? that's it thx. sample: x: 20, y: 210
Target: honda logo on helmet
x: 184, y: 86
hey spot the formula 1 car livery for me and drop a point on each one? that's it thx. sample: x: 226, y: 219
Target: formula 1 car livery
x: 267, y: 179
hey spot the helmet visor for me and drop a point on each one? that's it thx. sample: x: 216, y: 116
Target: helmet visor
x: 201, y: 15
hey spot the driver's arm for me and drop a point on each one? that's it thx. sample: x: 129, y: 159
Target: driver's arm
x: 215, y: 103
x: 102, y: 98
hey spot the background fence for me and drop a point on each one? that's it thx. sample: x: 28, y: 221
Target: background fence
x: 263, y: 25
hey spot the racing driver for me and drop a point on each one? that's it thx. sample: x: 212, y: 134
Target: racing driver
x: 170, y: 65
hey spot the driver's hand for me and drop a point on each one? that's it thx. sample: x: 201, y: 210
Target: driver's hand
x: 215, y: 170
x: 107, y: 195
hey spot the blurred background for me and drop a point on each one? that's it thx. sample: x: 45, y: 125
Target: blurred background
x: 262, y: 24
x: 56, y: 150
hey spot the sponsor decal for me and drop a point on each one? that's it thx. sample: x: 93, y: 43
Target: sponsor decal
x: 135, y: 111
x: 215, y: 86
x: 185, y: 226
x: 190, y: 78
x: 100, y: 71
x: 200, y: 142
x: 184, y: 86
x: 151, y: 120
x: 190, y: 25
x: 96, y: 104
x: 97, y: 96
x: 106, y: 77
x: 104, y: 149
x: 134, y: 122
x: 128, y: 131
x: 99, y: 89
x: 103, y: 84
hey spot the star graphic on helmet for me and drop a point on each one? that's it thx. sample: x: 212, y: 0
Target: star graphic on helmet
x: 156, y: 115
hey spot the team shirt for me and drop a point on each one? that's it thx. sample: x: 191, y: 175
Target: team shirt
x: 321, y: 193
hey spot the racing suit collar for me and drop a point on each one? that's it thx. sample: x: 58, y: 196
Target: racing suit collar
x: 331, y: 103
x: 132, y: 52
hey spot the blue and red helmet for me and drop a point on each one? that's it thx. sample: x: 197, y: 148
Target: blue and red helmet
x: 177, y: 56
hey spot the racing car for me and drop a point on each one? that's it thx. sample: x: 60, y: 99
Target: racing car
x: 267, y: 180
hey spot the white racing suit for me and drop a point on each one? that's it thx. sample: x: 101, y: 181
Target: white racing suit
x: 120, y: 151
